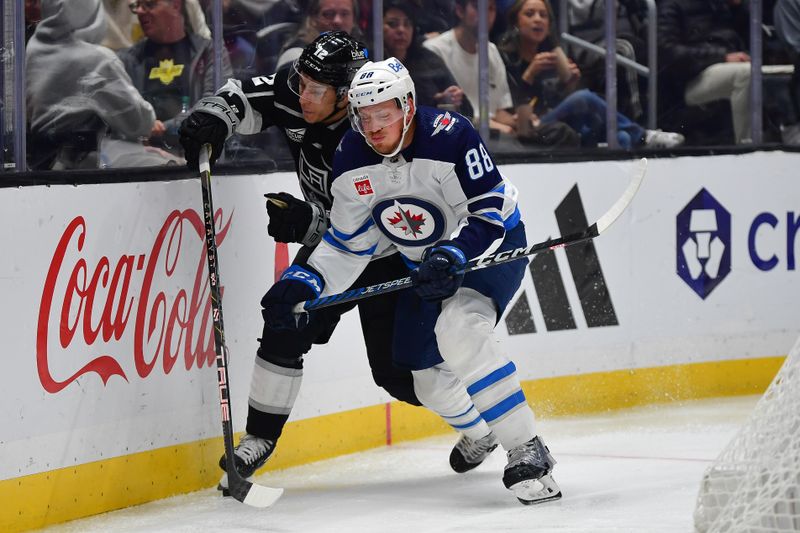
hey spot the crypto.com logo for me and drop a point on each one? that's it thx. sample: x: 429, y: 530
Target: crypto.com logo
x: 703, y: 243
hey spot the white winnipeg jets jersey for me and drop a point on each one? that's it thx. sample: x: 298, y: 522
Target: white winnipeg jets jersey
x: 445, y: 185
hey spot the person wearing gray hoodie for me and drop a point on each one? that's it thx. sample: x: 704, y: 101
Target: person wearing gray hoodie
x: 79, y: 95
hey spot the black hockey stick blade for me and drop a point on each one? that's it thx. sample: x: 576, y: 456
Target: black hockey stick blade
x: 243, y: 490
x: 498, y: 258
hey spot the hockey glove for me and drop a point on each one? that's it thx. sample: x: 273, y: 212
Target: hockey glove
x: 293, y: 220
x: 297, y: 284
x: 212, y: 122
x: 441, y: 272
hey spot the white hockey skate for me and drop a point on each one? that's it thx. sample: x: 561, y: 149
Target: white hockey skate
x: 249, y: 455
x: 468, y: 454
x: 528, y: 473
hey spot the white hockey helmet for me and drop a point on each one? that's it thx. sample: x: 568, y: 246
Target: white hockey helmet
x: 378, y: 82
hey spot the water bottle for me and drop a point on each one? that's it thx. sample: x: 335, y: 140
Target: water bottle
x: 184, y: 107
x: 170, y: 139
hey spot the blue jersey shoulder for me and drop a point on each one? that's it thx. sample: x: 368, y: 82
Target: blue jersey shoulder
x: 450, y: 137
x: 353, y: 152
x: 443, y: 135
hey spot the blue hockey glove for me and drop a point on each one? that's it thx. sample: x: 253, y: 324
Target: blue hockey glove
x: 441, y: 272
x: 297, y: 284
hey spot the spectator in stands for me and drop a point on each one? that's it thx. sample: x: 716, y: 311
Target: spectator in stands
x: 433, y: 17
x: 703, y: 58
x: 435, y: 85
x: 239, y: 27
x: 787, y: 26
x: 124, y: 30
x: 587, y: 21
x: 458, y: 48
x: 254, y: 31
x: 172, y: 66
x: 543, y: 78
x: 33, y: 14
x: 81, y: 102
x: 322, y: 16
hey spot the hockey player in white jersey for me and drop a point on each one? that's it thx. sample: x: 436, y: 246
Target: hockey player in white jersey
x: 421, y: 181
x: 308, y: 101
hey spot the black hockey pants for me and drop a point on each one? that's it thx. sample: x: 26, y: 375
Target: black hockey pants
x: 287, y: 348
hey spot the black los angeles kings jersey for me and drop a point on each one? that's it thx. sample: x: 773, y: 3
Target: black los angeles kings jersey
x: 269, y: 101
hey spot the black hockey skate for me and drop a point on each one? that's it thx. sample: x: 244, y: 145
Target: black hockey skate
x: 527, y: 473
x: 249, y: 455
x: 468, y: 454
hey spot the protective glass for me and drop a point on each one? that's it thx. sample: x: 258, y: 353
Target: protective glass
x: 144, y: 5
x: 305, y: 87
x: 374, y: 117
x: 398, y: 22
x: 331, y: 14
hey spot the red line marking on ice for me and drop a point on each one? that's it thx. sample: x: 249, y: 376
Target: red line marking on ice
x: 388, y: 423
x: 595, y: 455
x: 643, y: 457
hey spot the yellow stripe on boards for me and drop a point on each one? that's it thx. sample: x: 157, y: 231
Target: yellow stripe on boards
x: 83, y: 490
x: 619, y: 389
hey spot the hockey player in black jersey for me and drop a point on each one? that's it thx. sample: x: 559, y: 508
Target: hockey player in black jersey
x: 308, y: 101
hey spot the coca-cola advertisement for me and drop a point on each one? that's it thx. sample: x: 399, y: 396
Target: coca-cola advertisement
x: 100, y: 301
x: 110, y: 330
x: 107, y: 324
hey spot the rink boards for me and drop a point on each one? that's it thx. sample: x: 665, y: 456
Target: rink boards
x: 110, y: 389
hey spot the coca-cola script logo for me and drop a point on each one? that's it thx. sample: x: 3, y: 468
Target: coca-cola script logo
x: 100, y: 302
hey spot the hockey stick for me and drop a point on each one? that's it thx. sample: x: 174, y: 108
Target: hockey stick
x: 497, y: 258
x: 241, y: 489
x: 281, y: 248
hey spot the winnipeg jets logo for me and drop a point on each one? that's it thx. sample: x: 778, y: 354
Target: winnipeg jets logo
x: 406, y: 221
x: 409, y: 221
x: 444, y: 122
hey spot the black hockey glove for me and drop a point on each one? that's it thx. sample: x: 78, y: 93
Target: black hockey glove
x: 293, y: 220
x: 441, y: 272
x: 297, y: 284
x: 212, y: 122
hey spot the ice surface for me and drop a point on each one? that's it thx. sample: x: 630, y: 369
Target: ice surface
x: 628, y: 471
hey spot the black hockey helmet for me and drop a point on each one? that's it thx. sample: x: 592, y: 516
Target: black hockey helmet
x: 333, y: 59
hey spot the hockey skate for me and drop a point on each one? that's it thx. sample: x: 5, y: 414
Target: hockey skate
x: 249, y: 455
x: 527, y: 473
x: 468, y: 454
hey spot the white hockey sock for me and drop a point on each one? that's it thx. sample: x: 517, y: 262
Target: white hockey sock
x: 443, y: 393
x: 465, y: 334
x: 273, y: 388
x: 502, y: 404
